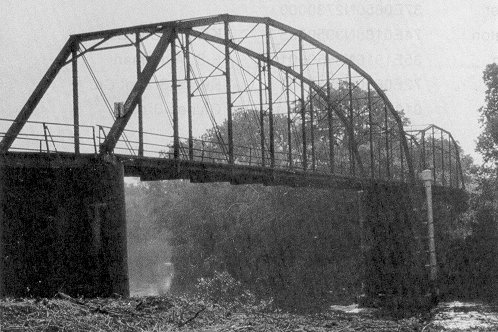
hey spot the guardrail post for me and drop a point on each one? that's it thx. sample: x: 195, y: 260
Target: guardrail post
x: 94, y: 140
x: 46, y: 138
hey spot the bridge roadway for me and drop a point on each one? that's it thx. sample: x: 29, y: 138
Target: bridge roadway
x: 155, y: 169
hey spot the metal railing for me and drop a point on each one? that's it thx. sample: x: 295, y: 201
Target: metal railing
x: 428, y: 149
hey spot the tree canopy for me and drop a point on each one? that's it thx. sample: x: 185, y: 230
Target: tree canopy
x: 487, y: 142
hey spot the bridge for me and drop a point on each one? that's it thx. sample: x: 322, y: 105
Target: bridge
x: 220, y: 98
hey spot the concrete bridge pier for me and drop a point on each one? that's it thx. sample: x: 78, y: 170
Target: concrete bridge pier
x: 395, y: 274
x: 62, y: 228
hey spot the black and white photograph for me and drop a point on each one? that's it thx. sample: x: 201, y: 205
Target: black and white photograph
x: 283, y: 165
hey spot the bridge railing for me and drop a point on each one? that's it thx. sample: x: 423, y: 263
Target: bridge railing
x: 430, y: 148
x: 51, y: 137
x: 162, y: 145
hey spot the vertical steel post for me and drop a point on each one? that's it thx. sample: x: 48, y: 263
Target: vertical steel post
x: 388, y: 157
x: 76, y: 116
x: 426, y: 176
x: 433, y: 155
x: 458, y: 168
x: 449, y: 158
x: 270, y: 98
x: 312, y: 123
x: 229, y: 95
x: 402, y: 160
x: 443, y: 179
x: 289, y: 120
x: 46, y: 136
x: 189, y: 99
x: 351, y: 119
x: 261, y: 115
x: 303, y: 106
x: 379, y: 150
x: 330, y: 119
x: 176, y: 138
x: 140, y: 107
x: 424, y: 164
x: 370, y: 131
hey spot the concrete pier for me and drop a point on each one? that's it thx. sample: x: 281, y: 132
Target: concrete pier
x: 63, y: 228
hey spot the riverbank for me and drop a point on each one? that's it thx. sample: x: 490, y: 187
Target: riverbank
x: 182, y: 314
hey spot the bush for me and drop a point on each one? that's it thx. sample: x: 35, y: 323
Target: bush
x: 224, y: 289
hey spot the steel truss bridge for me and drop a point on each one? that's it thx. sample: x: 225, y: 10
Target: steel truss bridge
x: 230, y: 98
x: 221, y: 98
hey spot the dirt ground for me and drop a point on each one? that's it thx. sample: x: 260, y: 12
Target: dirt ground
x: 182, y: 314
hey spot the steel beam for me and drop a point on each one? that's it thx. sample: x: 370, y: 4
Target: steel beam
x: 386, y: 127
x: 351, y: 119
x: 303, y: 106
x: 289, y: 121
x: 270, y: 99
x: 76, y: 115
x: 424, y: 163
x: 37, y: 95
x: 312, y: 131
x: 329, y: 117
x: 443, y: 180
x: 189, y: 99
x: 131, y: 102
x: 140, y: 107
x: 449, y: 160
x: 433, y: 155
x: 228, y: 94
x: 402, y: 161
x: 370, y: 132
x: 174, y: 90
x: 261, y: 115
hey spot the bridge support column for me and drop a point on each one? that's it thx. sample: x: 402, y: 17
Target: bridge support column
x: 62, y: 228
x: 394, y: 268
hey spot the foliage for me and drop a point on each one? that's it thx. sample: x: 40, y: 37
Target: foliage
x: 487, y: 143
x: 224, y: 289
x: 298, y: 246
x: 246, y: 123
x: 148, y: 240
x: 470, y: 267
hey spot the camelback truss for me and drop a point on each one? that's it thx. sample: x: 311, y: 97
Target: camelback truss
x: 273, y: 97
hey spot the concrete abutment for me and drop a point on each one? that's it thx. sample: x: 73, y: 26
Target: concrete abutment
x: 394, y: 252
x: 63, y: 228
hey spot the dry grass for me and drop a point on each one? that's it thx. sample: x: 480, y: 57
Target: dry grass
x: 176, y: 314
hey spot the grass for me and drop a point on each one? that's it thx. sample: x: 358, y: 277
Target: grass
x: 155, y: 314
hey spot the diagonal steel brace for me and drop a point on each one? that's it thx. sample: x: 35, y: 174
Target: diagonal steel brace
x: 119, y: 125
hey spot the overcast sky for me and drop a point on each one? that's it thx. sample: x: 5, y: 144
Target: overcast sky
x: 428, y: 55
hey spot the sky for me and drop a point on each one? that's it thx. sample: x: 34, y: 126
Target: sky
x: 428, y: 55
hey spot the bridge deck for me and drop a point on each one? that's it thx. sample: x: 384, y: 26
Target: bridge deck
x: 155, y: 169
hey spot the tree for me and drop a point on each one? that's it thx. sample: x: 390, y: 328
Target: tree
x: 471, y: 267
x: 487, y: 142
x: 248, y: 132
